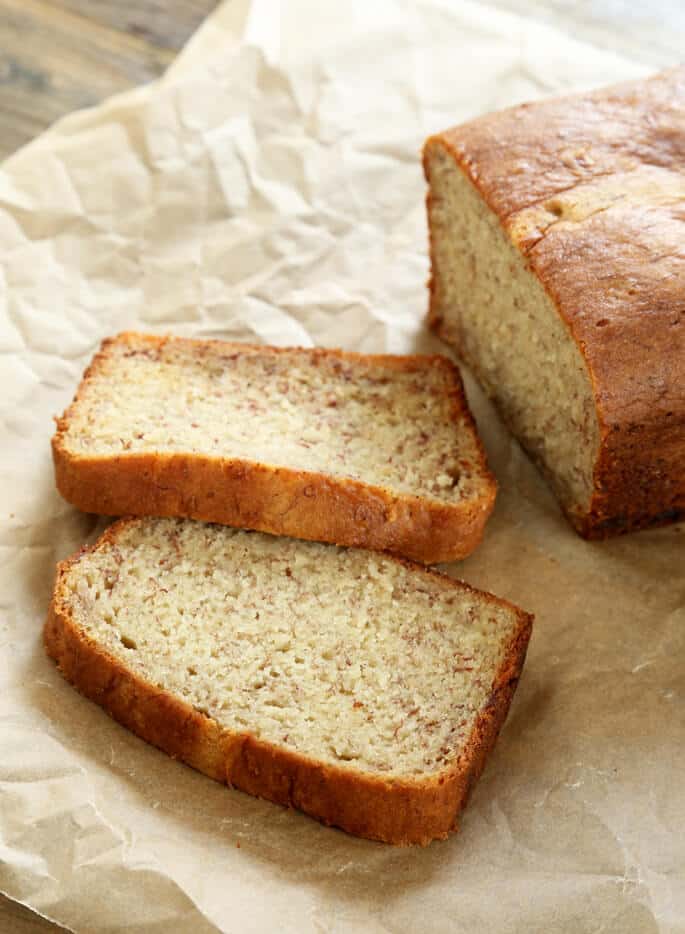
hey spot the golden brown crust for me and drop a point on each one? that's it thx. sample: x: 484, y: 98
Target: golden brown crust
x: 282, y: 501
x: 399, y: 811
x: 591, y: 191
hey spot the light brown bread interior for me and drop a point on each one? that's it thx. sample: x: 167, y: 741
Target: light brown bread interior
x: 362, y: 418
x: 347, y: 660
x: 373, y: 451
x: 504, y: 325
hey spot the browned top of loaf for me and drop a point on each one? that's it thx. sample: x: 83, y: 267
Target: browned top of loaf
x: 591, y: 188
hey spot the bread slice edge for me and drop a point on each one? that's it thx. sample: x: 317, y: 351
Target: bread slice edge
x: 398, y: 810
x: 279, y: 500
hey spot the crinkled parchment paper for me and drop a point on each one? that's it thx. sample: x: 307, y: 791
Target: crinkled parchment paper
x: 269, y: 189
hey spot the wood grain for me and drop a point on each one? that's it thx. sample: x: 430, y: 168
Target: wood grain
x: 162, y: 23
x: 56, y: 57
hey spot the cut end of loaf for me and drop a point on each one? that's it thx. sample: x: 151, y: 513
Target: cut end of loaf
x: 363, y: 690
x: 490, y: 307
x: 558, y: 274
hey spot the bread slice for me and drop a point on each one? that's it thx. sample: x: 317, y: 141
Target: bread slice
x: 357, y: 687
x: 375, y: 451
x: 558, y: 275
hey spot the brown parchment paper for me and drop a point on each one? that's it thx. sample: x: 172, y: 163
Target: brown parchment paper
x: 269, y: 188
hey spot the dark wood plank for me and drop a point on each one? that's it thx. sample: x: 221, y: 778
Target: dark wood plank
x: 164, y: 23
x: 57, y: 55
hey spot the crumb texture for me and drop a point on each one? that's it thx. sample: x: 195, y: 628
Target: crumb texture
x: 400, y: 426
x: 345, y: 656
x: 508, y: 330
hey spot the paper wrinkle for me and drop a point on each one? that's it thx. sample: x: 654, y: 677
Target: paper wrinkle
x: 269, y: 188
x: 48, y: 797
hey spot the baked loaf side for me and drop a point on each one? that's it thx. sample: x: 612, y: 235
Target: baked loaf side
x: 558, y: 274
x: 357, y: 687
x: 377, y: 451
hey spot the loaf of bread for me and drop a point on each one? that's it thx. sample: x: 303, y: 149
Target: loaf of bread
x: 557, y: 241
x: 359, y: 688
x: 375, y: 451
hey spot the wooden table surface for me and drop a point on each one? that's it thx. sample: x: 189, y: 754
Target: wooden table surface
x: 60, y: 55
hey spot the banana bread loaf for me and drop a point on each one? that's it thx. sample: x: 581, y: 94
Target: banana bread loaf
x: 557, y: 235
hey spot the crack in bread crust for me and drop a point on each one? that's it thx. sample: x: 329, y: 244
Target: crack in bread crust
x: 589, y: 194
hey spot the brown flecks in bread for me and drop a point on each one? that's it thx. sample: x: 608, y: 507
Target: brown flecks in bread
x: 299, y: 687
x: 395, y: 465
